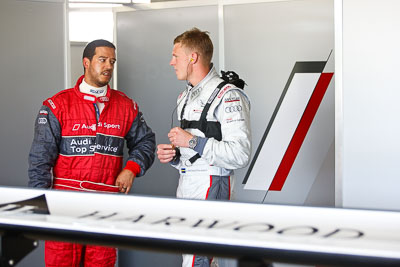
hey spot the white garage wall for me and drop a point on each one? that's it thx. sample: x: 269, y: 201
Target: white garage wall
x: 369, y: 111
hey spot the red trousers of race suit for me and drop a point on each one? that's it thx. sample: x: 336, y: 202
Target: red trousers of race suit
x: 59, y: 254
x: 63, y: 254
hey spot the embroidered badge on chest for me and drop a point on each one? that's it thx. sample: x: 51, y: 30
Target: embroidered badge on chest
x: 195, y: 93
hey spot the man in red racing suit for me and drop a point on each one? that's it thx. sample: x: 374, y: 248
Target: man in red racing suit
x: 78, y: 145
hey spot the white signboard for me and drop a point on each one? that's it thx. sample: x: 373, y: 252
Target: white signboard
x: 276, y: 232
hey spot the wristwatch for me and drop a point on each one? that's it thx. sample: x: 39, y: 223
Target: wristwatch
x: 193, y: 142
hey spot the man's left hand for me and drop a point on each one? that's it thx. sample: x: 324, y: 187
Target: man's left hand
x: 125, y: 180
x: 179, y: 137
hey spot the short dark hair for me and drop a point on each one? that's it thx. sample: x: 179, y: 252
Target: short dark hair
x: 197, y: 41
x: 90, y: 48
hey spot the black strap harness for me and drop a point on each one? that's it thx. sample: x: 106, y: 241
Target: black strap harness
x: 210, y: 128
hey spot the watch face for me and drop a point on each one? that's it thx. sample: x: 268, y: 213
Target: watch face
x: 192, y: 142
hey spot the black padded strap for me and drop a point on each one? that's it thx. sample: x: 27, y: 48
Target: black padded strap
x: 194, y: 158
x: 203, y: 116
x: 213, y: 129
x: 201, y: 124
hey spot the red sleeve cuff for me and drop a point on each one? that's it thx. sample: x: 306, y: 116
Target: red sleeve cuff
x: 133, y: 167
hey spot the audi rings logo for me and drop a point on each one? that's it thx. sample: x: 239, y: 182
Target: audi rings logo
x: 232, y: 109
x: 42, y: 121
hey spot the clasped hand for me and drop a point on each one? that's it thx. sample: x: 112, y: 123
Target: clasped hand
x: 178, y: 138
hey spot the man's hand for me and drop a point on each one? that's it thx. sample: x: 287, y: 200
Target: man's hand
x: 125, y: 180
x: 179, y: 137
x: 165, y: 152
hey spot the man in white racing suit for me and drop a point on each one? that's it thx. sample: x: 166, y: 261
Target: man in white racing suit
x: 214, y: 137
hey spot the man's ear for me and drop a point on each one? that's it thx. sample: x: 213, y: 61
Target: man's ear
x: 86, y: 62
x: 194, y: 57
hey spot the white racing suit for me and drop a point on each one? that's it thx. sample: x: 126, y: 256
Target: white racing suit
x: 209, y: 177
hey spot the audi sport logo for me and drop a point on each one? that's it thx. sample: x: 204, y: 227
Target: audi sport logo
x: 84, y: 126
x: 231, y: 109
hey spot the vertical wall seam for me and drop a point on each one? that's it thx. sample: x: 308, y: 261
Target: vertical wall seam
x: 67, y: 49
x: 339, y: 116
x: 115, y: 72
x: 221, y: 35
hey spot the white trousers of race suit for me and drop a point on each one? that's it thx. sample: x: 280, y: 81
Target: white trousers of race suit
x: 210, y: 176
x: 203, y: 187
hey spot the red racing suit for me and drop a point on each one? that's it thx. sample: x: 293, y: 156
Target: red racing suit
x: 74, y: 148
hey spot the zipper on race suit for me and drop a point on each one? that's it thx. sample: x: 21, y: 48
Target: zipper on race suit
x: 97, y: 112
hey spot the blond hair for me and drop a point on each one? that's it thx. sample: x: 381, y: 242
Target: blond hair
x: 197, y: 41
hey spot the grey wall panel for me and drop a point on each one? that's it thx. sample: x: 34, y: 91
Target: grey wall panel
x: 144, y: 49
x: 32, y: 52
x: 324, y: 180
x: 262, y: 43
x: 76, y: 52
x: 32, y: 69
x: 371, y: 145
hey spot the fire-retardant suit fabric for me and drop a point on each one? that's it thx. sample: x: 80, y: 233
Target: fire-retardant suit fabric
x: 210, y: 176
x: 75, y: 148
